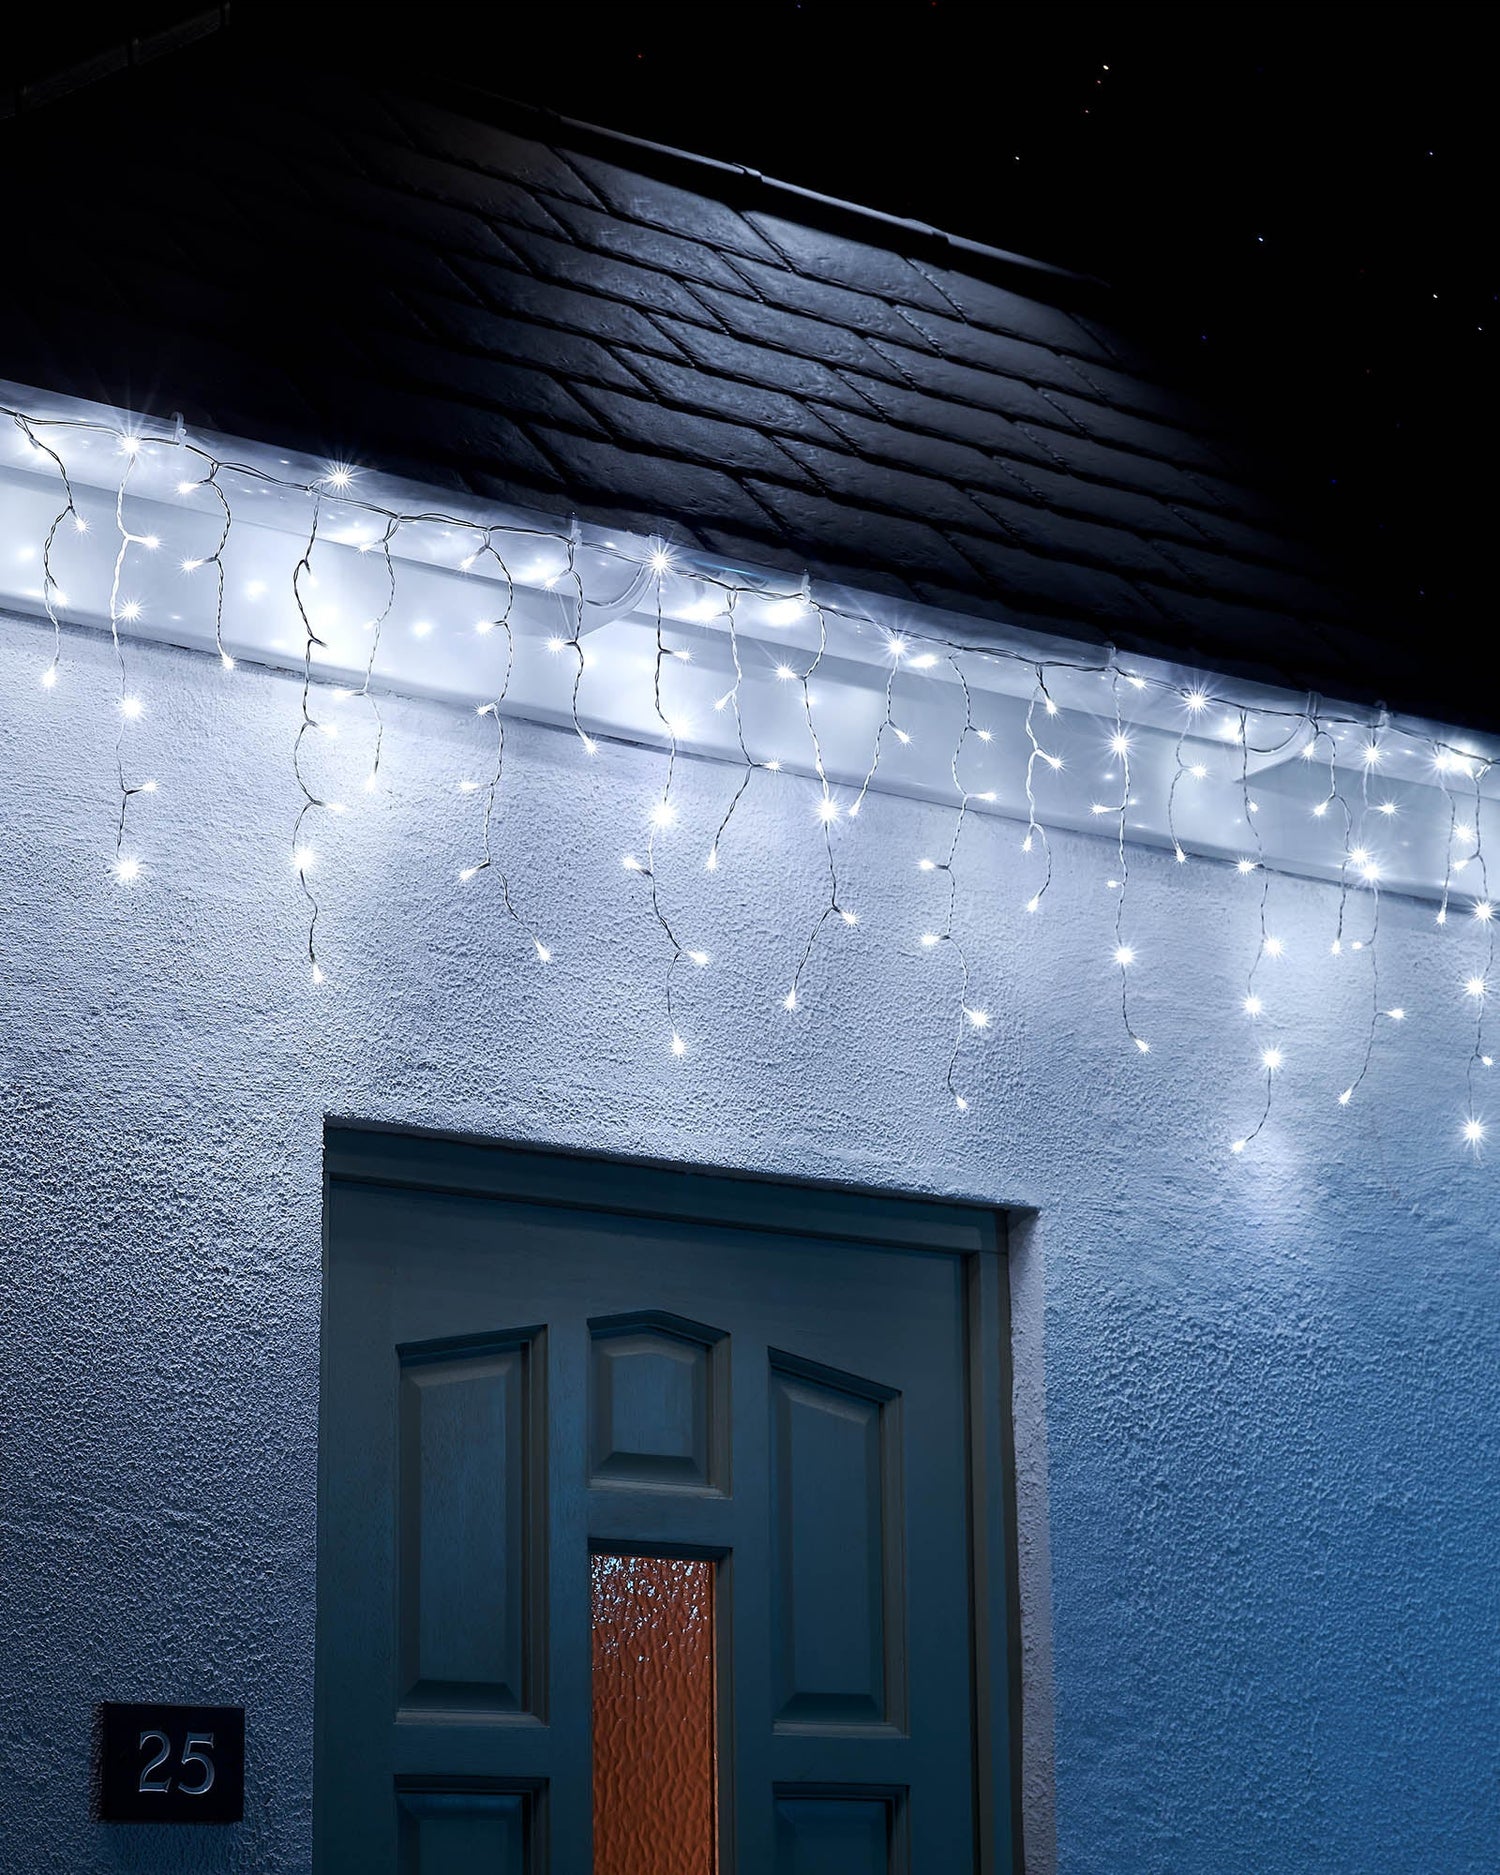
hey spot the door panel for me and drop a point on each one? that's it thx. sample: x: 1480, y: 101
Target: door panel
x: 656, y: 1404
x: 463, y: 1832
x: 791, y: 1408
x: 655, y: 1776
x: 834, y: 1835
x: 464, y: 1513
x: 835, y: 1543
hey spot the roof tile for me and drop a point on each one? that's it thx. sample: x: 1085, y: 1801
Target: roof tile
x: 731, y: 398
x: 1276, y: 587
x: 664, y: 489
x: 1089, y: 542
x: 990, y: 390
x: 868, y: 269
x: 411, y: 173
x: 792, y: 332
x: 679, y: 211
x: 630, y: 240
x: 487, y: 149
x: 1255, y: 543
x: 643, y: 424
x: 507, y: 292
x: 563, y: 356
x: 885, y: 486
x: 834, y: 305
x: 473, y: 440
x: 1052, y: 489
x: 799, y: 376
x: 938, y: 456
x: 489, y: 376
x: 634, y: 285
x: 983, y: 303
x: 957, y: 422
x: 987, y: 351
x: 908, y: 549
x: 1147, y: 396
x: 1058, y: 585
x: 1254, y: 638
x: 780, y: 556
x: 1141, y: 474
x: 1113, y: 425
x: 334, y: 239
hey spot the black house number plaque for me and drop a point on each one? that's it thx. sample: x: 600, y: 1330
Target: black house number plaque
x: 171, y: 1764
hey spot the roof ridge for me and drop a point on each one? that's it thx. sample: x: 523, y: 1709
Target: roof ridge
x: 742, y: 181
x: 122, y: 55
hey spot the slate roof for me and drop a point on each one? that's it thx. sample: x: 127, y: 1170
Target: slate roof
x: 475, y: 294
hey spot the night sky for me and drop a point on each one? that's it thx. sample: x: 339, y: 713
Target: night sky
x: 1299, y: 198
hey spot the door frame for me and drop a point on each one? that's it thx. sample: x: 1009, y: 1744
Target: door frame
x: 376, y: 1153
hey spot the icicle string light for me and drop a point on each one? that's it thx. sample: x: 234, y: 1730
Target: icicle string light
x: 1367, y: 867
x: 827, y: 807
x: 907, y: 697
x: 127, y: 866
x: 67, y: 512
x: 376, y: 627
x: 664, y: 812
x: 1035, y: 831
x: 1473, y: 1123
x: 575, y: 640
x: 897, y: 645
x: 732, y: 699
x: 493, y: 712
x: 302, y: 855
x: 967, y: 1014
x: 1119, y: 745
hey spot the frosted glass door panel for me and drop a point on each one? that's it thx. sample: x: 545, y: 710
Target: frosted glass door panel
x: 655, y: 1808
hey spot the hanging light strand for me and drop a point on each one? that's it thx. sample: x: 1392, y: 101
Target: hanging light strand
x: 1036, y: 833
x: 1474, y: 1125
x: 1270, y: 1057
x: 968, y: 1015
x: 1194, y: 702
x: 302, y: 856
x: 494, y: 711
x: 127, y: 865
x: 1124, y: 953
x: 731, y: 699
x: 662, y: 815
x: 828, y: 810
x: 67, y: 512
x: 897, y: 645
x: 575, y: 639
x: 1362, y: 860
x: 215, y: 559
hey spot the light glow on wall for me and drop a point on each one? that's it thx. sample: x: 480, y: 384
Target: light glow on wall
x: 365, y: 588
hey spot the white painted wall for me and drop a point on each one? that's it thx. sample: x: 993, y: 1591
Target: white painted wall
x: 1268, y: 1382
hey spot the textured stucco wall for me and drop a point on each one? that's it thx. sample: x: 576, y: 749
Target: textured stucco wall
x: 1266, y: 1476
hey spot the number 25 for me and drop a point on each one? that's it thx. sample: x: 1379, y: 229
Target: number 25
x: 195, y: 1749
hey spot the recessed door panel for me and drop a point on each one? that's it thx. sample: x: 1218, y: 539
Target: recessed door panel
x: 829, y: 1834
x: 835, y: 1490
x: 656, y: 1407
x: 463, y: 1832
x: 464, y: 1515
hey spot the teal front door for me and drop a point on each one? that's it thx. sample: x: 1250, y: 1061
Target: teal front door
x: 562, y: 1394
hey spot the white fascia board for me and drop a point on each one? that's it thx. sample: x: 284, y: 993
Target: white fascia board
x: 407, y: 587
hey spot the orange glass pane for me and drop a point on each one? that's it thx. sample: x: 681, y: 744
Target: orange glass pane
x: 655, y: 1797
